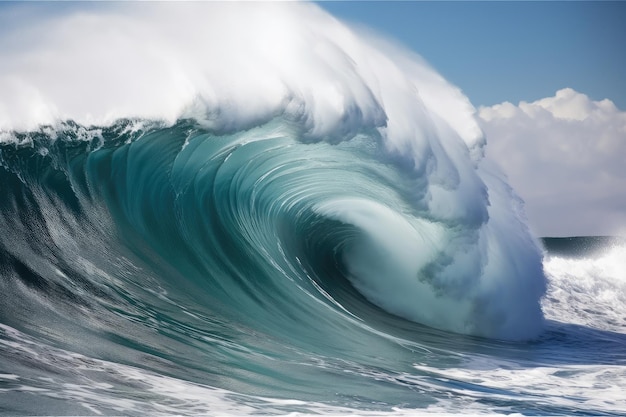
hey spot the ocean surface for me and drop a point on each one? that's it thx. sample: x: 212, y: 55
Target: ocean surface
x: 239, y: 209
x: 165, y: 270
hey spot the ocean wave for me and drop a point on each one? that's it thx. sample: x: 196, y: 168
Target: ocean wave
x: 266, y: 203
x: 376, y: 144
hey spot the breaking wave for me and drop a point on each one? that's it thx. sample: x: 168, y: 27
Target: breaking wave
x: 259, y: 205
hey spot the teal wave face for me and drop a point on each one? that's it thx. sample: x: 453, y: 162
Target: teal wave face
x: 244, y: 216
x: 201, y: 257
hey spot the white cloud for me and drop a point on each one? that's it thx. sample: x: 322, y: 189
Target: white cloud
x: 566, y: 156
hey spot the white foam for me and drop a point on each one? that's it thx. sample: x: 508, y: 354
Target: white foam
x: 572, y: 387
x: 590, y: 291
x: 131, y: 390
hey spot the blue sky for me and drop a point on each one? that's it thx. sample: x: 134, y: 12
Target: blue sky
x: 509, y: 51
x: 494, y: 51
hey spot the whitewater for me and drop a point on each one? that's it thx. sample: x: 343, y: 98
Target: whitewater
x: 241, y: 208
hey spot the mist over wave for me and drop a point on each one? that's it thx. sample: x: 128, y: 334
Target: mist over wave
x: 228, y: 65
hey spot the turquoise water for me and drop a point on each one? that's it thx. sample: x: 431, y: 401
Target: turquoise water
x: 152, y: 269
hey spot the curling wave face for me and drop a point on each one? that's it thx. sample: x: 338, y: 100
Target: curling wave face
x: 210, y: 258
x: 259, y: 212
